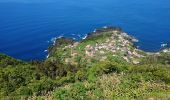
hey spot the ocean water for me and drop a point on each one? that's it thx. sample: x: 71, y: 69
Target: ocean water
x: 27, y: 27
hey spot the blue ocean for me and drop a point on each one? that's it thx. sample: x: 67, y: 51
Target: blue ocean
x: 27, y: 27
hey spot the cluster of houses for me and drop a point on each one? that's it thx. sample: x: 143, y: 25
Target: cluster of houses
x: 117, y: 43
x: 72, y: 45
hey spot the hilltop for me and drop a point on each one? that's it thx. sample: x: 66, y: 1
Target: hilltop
x: 104, y: 65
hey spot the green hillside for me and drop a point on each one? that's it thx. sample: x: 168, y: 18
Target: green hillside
x: 105, y: 65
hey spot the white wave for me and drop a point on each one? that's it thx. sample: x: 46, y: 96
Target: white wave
x: 53, y: 40
x: 105, y: 27
x: 48, y: 56
x: 164, y: 45
x: 84, y: 37
x: 94, y: 31
x: 45, y: 50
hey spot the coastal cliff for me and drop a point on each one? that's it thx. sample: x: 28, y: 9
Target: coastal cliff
x: 104, y: 65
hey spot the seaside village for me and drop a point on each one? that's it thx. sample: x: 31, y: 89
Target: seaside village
x: 118, y: 44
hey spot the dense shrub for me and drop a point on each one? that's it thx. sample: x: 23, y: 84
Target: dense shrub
x: 6, y: 61
x: 158, y: 71
x: 77, y: 91
x: 88, y: 82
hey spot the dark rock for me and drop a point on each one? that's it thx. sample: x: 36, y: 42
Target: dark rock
x: 63, y: 41
x: 100, y: 31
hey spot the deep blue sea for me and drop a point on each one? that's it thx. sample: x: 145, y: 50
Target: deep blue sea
x: 26, y: 28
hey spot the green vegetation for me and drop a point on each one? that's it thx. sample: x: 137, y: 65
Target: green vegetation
x: 71, y: 72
